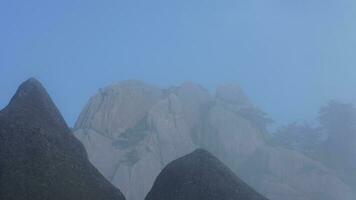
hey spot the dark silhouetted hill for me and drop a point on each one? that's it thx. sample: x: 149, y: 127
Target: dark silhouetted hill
x: 200, y: 176
x: 40, y: 159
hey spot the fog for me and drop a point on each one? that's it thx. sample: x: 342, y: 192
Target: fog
x: 294, y: 60
x: 289, y: 57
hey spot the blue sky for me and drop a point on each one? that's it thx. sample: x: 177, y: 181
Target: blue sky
x: 289, y: 56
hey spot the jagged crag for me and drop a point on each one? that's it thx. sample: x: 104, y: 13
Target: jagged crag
x: 132, y: 130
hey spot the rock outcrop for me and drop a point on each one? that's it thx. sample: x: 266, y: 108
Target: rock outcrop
x: 171, y: 123
x: 160, y: 133
x: 39, y: 156
x: 285, y: 174
x: 200, y: 175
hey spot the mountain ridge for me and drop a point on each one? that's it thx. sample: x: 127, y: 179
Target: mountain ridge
x: 188, y: 117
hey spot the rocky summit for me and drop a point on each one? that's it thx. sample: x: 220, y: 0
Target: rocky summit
x: 39, y: 156
x: 132, y: 130
x: 200, y: 175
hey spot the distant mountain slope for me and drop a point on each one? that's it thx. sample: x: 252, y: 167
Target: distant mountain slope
x: 200, y: 175
x: 132, y: 130
x: 40, y: 159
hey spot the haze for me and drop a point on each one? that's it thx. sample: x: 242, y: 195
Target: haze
x: 290, y: 57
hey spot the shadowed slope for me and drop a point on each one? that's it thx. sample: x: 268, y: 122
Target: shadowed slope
x: 39, y: 156
x: 198, y: 176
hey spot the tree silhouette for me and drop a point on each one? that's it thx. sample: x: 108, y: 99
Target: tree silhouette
x: 339, y: 122
x: 302, y: 137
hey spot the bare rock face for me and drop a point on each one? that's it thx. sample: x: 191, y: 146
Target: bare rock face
x: 233, y: 97
x: 229, y: 136
x: 133, y: 132
x: 116, y: 108
x: 199, y: 175
x: 159, y: 133
x: 195, y: 101
x: 282, y: 174
x: 39, y: 156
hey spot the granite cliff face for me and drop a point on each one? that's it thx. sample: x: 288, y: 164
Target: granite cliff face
x: 199, y: 175
x: 132, y: 130
x: 131, y: 156
x: 39, y: 156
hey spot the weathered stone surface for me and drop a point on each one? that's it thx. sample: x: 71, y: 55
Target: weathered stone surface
x: 285, y: 174
x: 229, y: 136
x: 39, y: 156
x: 180, y: 119
x: 199, y: 175
x: 118, y: 107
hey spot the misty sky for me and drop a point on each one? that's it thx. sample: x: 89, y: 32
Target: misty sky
x: 289, y: 56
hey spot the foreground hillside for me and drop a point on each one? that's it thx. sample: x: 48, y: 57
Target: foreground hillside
x: 40, y: 159
x: 199, y: 175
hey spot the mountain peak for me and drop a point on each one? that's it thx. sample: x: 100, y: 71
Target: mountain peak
x: 30, y: 89
x: 31, y: 99
x: 32, y: 81
x: 40, y: 158
x: 199, y: 175
x: 232, y: 94
x: 201, y: 153
x: 29, y: 85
